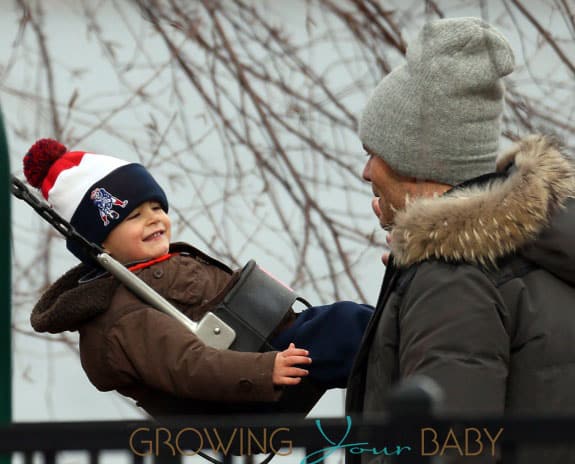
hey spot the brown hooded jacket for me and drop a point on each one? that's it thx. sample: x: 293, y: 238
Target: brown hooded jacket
x: 128, y: 346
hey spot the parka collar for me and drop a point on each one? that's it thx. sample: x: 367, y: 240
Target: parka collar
x: 481, y: 221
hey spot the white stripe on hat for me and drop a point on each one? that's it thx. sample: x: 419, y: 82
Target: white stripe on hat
x: 73, y: 183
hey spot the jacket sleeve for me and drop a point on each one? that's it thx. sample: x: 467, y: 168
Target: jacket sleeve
x: 452, y: 329
x: 151, y: 347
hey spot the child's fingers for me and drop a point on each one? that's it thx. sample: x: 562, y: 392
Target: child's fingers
x: 296, y: 352
x: 289, y: 381
x: 291, y: 349
x: 294, y: 372
x: 292, y: 360
x: 285, y: 370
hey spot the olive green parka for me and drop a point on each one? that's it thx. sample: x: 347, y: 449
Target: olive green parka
x: 480, y: 297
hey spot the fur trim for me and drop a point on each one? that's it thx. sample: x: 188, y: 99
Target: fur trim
x: 479, y: 224
x: 67, y: 305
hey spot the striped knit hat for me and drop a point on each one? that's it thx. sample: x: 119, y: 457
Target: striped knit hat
x: 94, y: 193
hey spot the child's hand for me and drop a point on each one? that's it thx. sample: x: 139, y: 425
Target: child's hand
x: 284, y: 371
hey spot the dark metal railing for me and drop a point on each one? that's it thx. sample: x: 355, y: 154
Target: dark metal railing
x: 410, y: 438
x: 410, y: 432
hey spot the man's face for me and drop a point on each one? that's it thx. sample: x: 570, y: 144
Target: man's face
x: 144, y: 234
x: 390, y: 189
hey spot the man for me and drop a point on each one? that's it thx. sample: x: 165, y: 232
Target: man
x: 479, y: 291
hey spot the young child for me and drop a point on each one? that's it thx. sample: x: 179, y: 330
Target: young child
x: 127, y: 345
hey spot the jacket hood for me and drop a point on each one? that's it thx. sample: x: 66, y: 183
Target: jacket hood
x: 67, y: 305
x: 525, y: 206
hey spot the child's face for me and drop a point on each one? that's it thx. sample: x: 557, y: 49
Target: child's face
x: 144, y: 234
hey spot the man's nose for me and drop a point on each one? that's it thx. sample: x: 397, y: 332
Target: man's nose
x: 366, y: 170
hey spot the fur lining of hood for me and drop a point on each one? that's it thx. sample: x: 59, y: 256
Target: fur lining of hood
x: 67, y: 305
x: 481, y: 223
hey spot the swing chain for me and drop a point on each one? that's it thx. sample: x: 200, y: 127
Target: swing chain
x: 19, y: 190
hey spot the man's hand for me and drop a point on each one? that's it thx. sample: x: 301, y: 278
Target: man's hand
x: 385, y: 255
x: 284, y: 371
x: 377, y: 212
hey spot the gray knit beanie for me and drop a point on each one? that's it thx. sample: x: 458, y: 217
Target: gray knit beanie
x: 437, y: 116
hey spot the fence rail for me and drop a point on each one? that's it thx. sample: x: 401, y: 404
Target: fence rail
x: 283, y: 434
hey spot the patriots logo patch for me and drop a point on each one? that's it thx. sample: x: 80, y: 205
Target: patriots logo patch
x: 105, y: 203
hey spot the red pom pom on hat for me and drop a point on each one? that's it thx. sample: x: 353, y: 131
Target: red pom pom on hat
x: 39, y: 159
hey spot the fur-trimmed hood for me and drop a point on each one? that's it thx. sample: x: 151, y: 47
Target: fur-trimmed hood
x: 527, y: 205
x: 67, y: 305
